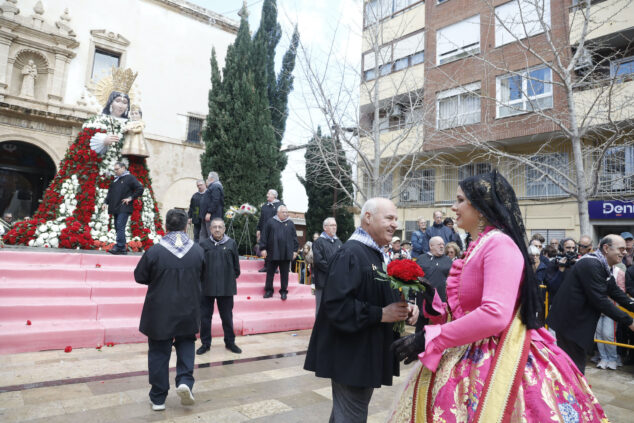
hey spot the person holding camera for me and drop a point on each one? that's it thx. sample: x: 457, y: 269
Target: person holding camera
x: 559, y: 267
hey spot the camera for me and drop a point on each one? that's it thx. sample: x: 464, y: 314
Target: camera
x: 567, y: 260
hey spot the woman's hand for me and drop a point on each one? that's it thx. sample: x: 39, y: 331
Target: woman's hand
x: 110, y: 139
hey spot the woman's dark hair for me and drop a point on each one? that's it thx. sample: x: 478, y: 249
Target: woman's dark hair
x: 549, y: 251
x: 493, y: 196
x: 447, y: 221
x: 176, y: 220
x: 113, y: 95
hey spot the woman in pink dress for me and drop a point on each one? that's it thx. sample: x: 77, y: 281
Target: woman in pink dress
x: 484, y: 357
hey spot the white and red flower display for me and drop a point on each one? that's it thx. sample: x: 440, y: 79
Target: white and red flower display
x: 70, y: 214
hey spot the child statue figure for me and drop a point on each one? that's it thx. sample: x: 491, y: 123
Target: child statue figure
x: 134, y: 142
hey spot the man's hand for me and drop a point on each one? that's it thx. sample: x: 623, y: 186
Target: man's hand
x: 294, y: 255
x: 189, y: 220
x: 632, y: 327
x: 562, y: 264
x: 408, y: 348
x: 126, y: 201
x: 395, y: 312
x: 207, y: 217
x: 257, y: 236
x: 412, y: 316
x: 263, y: 253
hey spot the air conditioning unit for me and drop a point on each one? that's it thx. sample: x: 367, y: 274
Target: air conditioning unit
x: 397, y: 110
x: 585, y: 60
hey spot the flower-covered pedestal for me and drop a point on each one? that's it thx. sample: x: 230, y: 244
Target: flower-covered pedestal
x: 71, y: 213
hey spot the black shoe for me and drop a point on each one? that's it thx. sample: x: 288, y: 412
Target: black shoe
x: 268, y: 294
x: 262, y: 270
x: 277, y: 271
x: 284, y: 296
x: 203, y: 349
x: 117, y: 252
x: 233, y: 348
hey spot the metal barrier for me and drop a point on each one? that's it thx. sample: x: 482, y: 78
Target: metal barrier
x: 298, y: 270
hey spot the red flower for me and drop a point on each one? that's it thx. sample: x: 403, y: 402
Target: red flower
x: 405, y: 270
x: 28, y: 323
x: 68, y: 349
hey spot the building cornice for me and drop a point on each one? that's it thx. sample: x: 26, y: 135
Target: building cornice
x: 201, y: 14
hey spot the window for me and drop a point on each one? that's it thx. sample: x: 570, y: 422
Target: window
x: 194, y: 129
x: 459, y: 40
x: 103, y: 63
x: 376, y: 10
x: 521, y: 19
x: 410, y: 227
x: 394, y: 57
x: 622, y: 67
x: 538, y: 185
x: 386, y: 186
x: 458, y: 106
x: 419, y: 187
x: 549, y: 234
x: 473, y: 169
x: 524, y: 92
x: 617, y: 173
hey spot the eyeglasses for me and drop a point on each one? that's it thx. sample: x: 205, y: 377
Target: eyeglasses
x: 584, y: 246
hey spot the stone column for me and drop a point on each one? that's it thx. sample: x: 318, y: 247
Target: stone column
x: 4, y: 63
x: 59, y: 72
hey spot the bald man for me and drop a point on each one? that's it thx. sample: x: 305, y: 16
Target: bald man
x: 584, y: 295
x: 350, y: 342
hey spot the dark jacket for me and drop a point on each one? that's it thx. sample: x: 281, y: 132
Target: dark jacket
x: 124, y: 187
x: 436, y: 270
x: 553, y: 278
x: 455, y: 237
x: 279, y: 239
x: 584, y: 295
x: 629, y: 281
x: 222, y: 268
x: 213, y: 201
x: 439, y: 230
x: 420, y: 243
x: 267, y: 211
x: 172, y: 301
x: 194, y: 207
x: 323, y: 250
x: 349, y: 344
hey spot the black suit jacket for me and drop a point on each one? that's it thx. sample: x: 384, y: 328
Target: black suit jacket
x: 194, y: 207
x: 124, y: 187
x: 583, y: 296
x: 213, y: 201
x: 323, y: 250
x: 267, y: 211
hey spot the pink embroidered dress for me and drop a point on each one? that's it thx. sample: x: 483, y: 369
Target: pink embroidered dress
x: 480, y: 364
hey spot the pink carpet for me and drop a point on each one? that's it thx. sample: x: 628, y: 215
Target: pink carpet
x: 84, y: 300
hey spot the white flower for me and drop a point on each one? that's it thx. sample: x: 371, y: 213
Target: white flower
x: 31, y: 242
x: 44, y: 236
x: 54, y: 242
x: 42, y: 228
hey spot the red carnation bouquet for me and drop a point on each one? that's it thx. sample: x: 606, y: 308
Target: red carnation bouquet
x: 405, y: 276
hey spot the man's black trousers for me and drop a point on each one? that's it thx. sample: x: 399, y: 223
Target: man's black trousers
x: 158, y: 358
x: 271, y: 266
x: 225, y: 308
x: 574, y: 351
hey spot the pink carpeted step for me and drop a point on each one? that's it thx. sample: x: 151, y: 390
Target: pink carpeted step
x: 34, y: 274
x: 277, y: 321
x: 251, y: 264
x: 24, y: 257
x: 20, y: 309
x: 274, y: 304
x: 49, y: 335
x: 117, y: 289
x: 106, y: 260
x: 257, y: 288
x: 44, y: 289
x: 261, y: 277
x: 119, y: 307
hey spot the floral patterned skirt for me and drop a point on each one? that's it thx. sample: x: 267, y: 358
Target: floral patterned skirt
x: 549, y: 388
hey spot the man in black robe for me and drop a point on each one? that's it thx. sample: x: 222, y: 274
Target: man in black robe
x: 267, y: 211
x: 194, y: 208
x: 279, y: 244
x: 212, y: 203
x: 350, y: 342
x: 324, y: 248
x: 222, y: 268
x: 123, y: 190
x: 171, y: 312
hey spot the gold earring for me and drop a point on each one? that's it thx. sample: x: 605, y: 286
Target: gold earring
x: 481, y: 224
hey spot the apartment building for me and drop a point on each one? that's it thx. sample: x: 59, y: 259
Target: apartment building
x: 455, y: 87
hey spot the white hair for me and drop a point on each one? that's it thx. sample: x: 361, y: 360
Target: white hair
x: 274, y: 192
x: 436, y: 239
x: 325, y: 222
x: 200, y: 181
x: 213, y: 175
x: 370, y: 206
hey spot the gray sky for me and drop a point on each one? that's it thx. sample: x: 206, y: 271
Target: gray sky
x: 317, y: 22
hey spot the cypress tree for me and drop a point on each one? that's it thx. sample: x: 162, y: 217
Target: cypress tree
x: 240, y: 142
x: 325, y: 197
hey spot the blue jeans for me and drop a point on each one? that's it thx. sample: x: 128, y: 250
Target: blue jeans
x: 120, y: 220
x: 606, y: 329
x: 159, y: 352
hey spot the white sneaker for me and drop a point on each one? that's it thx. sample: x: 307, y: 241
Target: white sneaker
x: 185, y: 393
x: 157, y: 407
x: 602, y: 365
x: 612, y: 365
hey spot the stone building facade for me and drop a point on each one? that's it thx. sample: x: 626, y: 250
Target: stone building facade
x: 53, y: 55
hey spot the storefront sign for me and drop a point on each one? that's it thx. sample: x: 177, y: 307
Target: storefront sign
x: 611, y: 209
